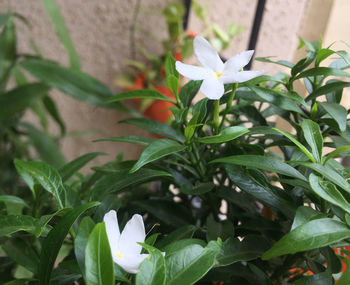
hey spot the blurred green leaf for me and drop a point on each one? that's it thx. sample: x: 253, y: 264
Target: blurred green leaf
x: 55, y: 15
x: 53, y: 111
x: 129, y: 139
x: 144, y: 94
x: 98, y: 262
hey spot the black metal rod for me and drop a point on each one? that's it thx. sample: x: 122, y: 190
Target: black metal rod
x: 187, y: 4
x: 256, y: 28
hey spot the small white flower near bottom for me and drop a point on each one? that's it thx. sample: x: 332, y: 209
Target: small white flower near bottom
x: 214, y: 72
x: 126, y: 251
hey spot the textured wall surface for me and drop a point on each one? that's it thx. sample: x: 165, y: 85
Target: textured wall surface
x: 100, y: 32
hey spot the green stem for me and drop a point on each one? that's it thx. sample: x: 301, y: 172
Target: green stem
x: 216, y: 115
x: 228, y: 104
x: 132, y: 29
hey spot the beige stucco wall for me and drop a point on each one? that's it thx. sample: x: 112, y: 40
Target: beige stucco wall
x: 100, y: 32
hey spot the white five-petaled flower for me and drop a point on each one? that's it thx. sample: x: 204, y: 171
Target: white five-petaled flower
x: 126, y: 251
x: 214, y: 72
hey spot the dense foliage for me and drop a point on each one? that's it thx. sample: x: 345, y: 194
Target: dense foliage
x: 228, y: 197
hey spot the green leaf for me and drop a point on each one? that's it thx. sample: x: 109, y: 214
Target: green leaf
x: 324, y: 71
x: 233, y: 250
x: 129, y: 139
x: 180, y: 244
x: 77, y: 84
x: 198, y: 189
x: 328, y: 192
x: 328, y: 173
x: 157, y: 150
x: 226, y: 135
x: 85, y: 228
x: 328, y: 88
x: 10, y: 199
x: 313, y: 136
x: 172, y: 76
x: 261, y: 162
x: 188, y: 91
x: 54, y: 241
x: 35, y: 172
x: 313, y: 234
x: 53, y: 111
x: 191, y: 127
x: 336, y: 152
x: 22, y: 253
x: 98, y: 262
x: 337, y: 112
x: 116, y: 182
x: 190, y: 264
x: 16, y: 100
x: 305, y: 214
x: 152, y: 269
x: 55, y: 15
x: 8, y: 41
x: 144, y: 94
x: 73, y: 166
x: 155, y: 127
x: 13, y: 223
x: 180, y: 233
x: 45, y: 145
x: 297, y: 143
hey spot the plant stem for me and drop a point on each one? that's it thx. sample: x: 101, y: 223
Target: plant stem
x: 228, y: 104
x: 216, y: 114
x: 132, y: 29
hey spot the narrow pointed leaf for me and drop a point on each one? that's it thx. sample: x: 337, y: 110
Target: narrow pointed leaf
x: 157, y: 150
x: 142, y: 94
x: 313, y: 234
x: 129, y: 139
x: 98, y: 261
x: 226, y: 135
x: 337, y: 112
x: 313, y: 137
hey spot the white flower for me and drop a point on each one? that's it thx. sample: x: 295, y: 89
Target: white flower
x: 214, y: 72
x: 126, y: 251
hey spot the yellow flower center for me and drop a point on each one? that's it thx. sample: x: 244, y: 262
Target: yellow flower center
x: 217, y: 74
x: 119, y: 255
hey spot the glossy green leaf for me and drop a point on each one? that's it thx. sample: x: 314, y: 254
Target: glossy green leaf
x: 226, y: 135
x: 143, y: 94
x: 233, y: 250
x: 328, y: 192
x: 152, y: 269
x: 55, y: 15
x: 85, y: 228
x: 13, y: 223
x: 313, y: 136
x: 129, y: 139
x: 98, y: 258
x: 180, y: 233
x: 305, y: 214
x: 337, y: 112
x: 328, y: 88
x: 54, y: 241
x: 180, y: 244
x: 328, y: 173
x: 116, y: 182
x: 156, y: 150
x: 188, y: 91
x: 261, y: 162
x: 155, y: 127
x: 324, y: 71
x: 35, y: 172
x: 297, y: 143
x: 311, y: 235
x: 73, y: 166
x: 16, y: 100
x: 191, y: 263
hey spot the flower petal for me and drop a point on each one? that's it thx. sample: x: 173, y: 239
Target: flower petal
x: 131, y: 263
x: 133, y: 233
x: 237, y: 62
x: 207, y: 55
x: 112, y: 229
x: 192, y: 72
x: 212, y: 88
x: 241, y: 76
